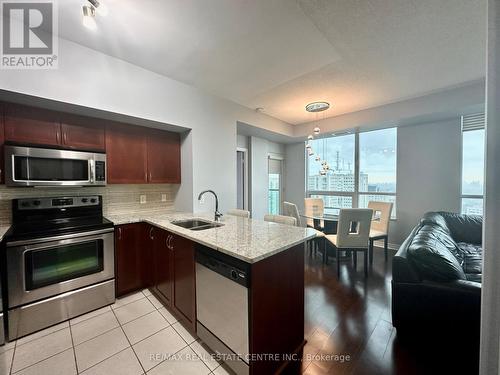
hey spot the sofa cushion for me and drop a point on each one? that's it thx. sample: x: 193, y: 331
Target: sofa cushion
x: 431, y: 253
x: 464, y: 228
x: 473, y: 257
x: 476, y: 277
x: 435, y: 218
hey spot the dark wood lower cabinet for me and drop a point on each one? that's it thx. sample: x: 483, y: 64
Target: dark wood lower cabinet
x: 129, y: 258
x: 150, y: 257
x: 184, y: 280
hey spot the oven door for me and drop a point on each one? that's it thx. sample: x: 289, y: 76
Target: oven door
x: 29, y: 166
x: 38, y: 269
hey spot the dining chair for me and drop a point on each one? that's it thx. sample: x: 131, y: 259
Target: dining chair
x: 380, y: 225
x: 239, y: 213
x: 353, y: 233
x: 314, y: 207
x: 280, y: 219
x: 291, y: 209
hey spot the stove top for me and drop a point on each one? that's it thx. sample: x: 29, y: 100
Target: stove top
x: 54, y: 216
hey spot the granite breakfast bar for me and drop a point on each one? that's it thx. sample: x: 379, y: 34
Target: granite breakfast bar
x: 272, y: 253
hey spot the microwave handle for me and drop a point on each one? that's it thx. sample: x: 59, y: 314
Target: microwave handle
x: 91, y: 173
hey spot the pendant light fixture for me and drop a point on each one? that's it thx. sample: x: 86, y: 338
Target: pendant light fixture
x: 89, y: 13
x: 316, y: 107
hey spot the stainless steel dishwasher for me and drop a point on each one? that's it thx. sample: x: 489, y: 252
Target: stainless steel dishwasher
x: 222, y: 306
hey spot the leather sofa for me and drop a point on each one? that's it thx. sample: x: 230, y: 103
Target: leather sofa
x: 436, y: 285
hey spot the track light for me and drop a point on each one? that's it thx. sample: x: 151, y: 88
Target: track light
x: 89, y: 17
x: 100, y: 7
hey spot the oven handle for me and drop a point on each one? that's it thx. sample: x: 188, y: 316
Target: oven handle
x: 56, y: 238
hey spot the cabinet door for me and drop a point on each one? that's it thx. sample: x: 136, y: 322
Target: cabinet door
x: 128, y: 258
x: 164, y: 157
x: 30, y: 125
x: 126, y: 154
x: 184, y: 286
x: 163, y: 265
x: 82, y: 133
x: 2, y: 140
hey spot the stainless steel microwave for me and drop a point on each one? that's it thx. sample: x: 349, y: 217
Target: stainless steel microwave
x: 33, y: 166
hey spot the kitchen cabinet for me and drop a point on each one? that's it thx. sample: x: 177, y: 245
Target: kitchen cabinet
x: 184, y: 279
x: 82, y: 133
x: 2, y: 141
x: 129, y: 261
x: 164, y: 162
x: 29, y: 125
x: 163, y: 265
x: 126, y: 150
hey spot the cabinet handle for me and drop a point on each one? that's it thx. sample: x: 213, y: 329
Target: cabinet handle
x: 65, y: 138
x: 151, y: 233
x: 119, y: 233
x: 58, y: 136
x: 166, y: 242
x: 170, y: 245
x: 150, y: 177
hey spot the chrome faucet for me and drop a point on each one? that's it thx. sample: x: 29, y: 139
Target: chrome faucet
x: 217, y: 213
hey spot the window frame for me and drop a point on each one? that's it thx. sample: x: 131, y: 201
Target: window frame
x: 462, y: 195
x: 281, y: 181
x: 356, y: 193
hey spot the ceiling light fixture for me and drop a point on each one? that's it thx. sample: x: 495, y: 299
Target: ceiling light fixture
x: 89, y: 17
x: 100, y: 7
x: 317, y: 106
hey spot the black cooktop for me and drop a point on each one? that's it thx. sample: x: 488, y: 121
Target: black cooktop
x: 34, y: 218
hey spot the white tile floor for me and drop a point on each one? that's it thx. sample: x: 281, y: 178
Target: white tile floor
x: 136, y: 335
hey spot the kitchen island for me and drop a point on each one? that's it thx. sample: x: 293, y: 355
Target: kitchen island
x: 270, y: 256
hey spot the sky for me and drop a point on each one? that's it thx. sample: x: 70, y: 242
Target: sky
x: 377, y: 154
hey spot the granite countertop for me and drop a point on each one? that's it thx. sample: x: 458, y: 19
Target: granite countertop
x: 246, y: 239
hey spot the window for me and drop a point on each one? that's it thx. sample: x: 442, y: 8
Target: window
x: 377, y: 167
x: 472, y: 164
x: 337, y: 188
x: 274, y: 188
x: 346, y: 185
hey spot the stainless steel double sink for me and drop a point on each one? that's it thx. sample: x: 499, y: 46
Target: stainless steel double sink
x: 196, y: 224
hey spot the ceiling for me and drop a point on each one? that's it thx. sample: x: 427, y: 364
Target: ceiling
x: 282, y: 54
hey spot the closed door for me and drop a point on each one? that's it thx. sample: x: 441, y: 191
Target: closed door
x: 30, y: 125
x: 163, y: 264
x: 184, y: 286
x: 82, y: 133
x: 241, y: 180
x: 164, y: 163
x: 126, y: 154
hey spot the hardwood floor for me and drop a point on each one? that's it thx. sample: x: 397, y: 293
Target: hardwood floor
x: 348, y: 325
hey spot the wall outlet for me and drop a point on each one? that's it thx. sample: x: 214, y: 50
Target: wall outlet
x: 142, y: 199
x: 164, y: 197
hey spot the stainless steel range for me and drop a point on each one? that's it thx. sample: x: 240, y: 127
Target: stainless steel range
x: 60, y: 261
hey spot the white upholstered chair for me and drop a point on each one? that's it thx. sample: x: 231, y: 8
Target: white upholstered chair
x: 281, y: 219
x: 314, y: 207
x: 380, y: 225
x: 290, y: 209
x: 353, y: 233
x: 239, y: 213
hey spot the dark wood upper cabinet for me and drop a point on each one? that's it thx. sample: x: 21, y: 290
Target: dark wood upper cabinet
x: 126, y: 149
x: 164, y: 161
x: 183, y: 281
x: 29, y: 125
x: 83, y: 133
x: 129, y: 262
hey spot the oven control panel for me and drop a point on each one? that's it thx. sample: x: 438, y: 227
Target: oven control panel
x: 58, y: 202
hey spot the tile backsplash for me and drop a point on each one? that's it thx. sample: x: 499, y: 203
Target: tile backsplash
x: 117, y: 199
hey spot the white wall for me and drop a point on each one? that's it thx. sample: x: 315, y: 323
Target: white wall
x: 91, y: 79
x: 490, y: 299
x: 428, y: 167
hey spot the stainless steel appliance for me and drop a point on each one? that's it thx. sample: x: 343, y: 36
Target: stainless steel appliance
x: 60, y: 261
x: 32, y: 166
x: 222, y: 306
